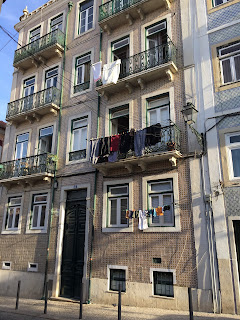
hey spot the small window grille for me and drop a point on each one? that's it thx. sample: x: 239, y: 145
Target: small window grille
x: 32, y: 266
x: 6, y: 265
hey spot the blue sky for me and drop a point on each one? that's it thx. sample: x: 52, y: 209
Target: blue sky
x: 9, y: 16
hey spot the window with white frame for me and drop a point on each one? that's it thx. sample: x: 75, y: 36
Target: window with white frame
x: 218, y: 2
x: 21, y: 146
x: 119, y: 119
x: 51, y: 78
x: 57, y: 23
x: 117, y: 280
x: 163, y: 284
x: 229, y: 57
x: 118, y: 199
x: 158, y: 110
x: 38, y: 219
x: 82, y: 73
x: 120, y: 50
x: 13, y: 213
x: 34, y: 34
x: 160, y: 193
x: 85, y: 16
x: 45, y: 140
x: 79, y: 135
x: 233, y: 150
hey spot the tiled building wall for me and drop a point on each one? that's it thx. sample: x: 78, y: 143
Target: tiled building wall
x: 221, y: 17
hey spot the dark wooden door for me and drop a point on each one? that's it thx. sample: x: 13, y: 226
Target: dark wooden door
x: 236, y: 225
x: 73, y: 244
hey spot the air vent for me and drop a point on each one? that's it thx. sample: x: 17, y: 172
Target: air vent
x: 32, y: 266
x: 6, y: 265
x: 157, y: 260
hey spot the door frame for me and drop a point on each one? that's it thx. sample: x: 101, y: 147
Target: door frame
x: 59, y: 247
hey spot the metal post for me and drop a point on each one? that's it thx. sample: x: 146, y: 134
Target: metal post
x: 190, y: 304
x: 119, y: 301
x: 81, y: 298
x: 46, y: 298
x: 18, y: 293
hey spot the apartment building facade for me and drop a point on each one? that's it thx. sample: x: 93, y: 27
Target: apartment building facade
x: 65, y: 219
x: 2, y: 134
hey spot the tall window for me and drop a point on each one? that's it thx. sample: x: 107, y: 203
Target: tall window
x: 233, y: 149
x: 13, y: 213
x: 119, y: 119
x: 28, y: 87
x: 57, y: 23
x: 117, y: 278
x: 79, y: 134
x: 86, y: 16
x: 160, y: 193
x: 118, y: 198
x: 82, y: 73
x: 51, y: 77
x: 34, y: 34
x: 45, y: 140
x: 230, y: 63
x: 218, y: 2
x: 120, y: 50
x: 163, y: 283
x: 158, y: 110
x: 21, y: 146
x: 39, y: 212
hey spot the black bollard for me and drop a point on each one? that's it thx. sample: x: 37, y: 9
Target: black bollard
x: 46, y: 298
x: 190, y: 304
x: 81, y: 298
x: 119, y: 302
x: 18, y: 293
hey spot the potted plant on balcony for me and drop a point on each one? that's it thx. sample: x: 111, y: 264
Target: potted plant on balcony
x: 170, y: 145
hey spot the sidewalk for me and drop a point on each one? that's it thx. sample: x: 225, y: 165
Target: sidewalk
x: 33, y: 309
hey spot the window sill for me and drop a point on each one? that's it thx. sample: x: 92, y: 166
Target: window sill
x: 228, y: 86
x: 73, y: 95
x: 163, y: 229
x: 11, y: 231
x: 162, y: 297
x: 76, y: 161
x: 113, y: 230
x: 37, y: 231
x: 82, y: 34
x: 114, y: 292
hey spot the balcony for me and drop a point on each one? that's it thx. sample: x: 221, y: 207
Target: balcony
x: 34, y: 106
x: 81, y: 87
x: 115, y: 13
x: 40, y: 50
x: 27, y: 171
x: 168, y: 148
x: 143, y: 67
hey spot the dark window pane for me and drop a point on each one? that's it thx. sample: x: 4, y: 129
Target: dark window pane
x: 113, y: 212
x: 43, y: 214
x: 117, y: 277
x: 237, y: 67
x: 124, y: 207
x: 35, y: 216
x: 234, y: 139
x: 236, y: 162
x: 163, y: 283
x: 227, y: 74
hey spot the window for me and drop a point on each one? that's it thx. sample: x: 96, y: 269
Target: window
x: 160, y: 193
x: 233, y: 147
x: 13, y: 213
x: 86, y: 16
x: 79, y: 134
x: 82, y: 73
x: 117, y: 205
x: 57, y: 23
x: 119, y: 119
x: 120, y: 50
x: 28, y: 91
x: 230, y: 63
x: 51, y: 77
x: 39, y: 212
x: 45, y: 140
x: 32, y: 266
x: 117, y: 278
x: 156, y: 41
x: 21, y: 146
x: 34, y: 34
x: 158, y: 110
x: 218, y: 2
x: 163, y: 283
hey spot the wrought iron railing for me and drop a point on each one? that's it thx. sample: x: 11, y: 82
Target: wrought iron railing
x: 33, y: 102
x: 112, y: 7
x: 81, y: 87
x: 56, y: 36
x: 77, y: 155
x: 146, y: 60
x: 41, y: 163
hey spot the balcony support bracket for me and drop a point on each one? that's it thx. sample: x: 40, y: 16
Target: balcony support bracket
x: 42, y: 60
x: 169, y: 75
x: 30, y: 120
x: 103, y: 171
x: 168, y: 4
x: 59, y: 53
x: 104, y: 94
x: 129, y: 167
x: 129, y: 87
x: 173, y: 161
x: 47, y: 179
x: 141, y: 83
x: 107, y: 29
x: 141, y: 13
x: 36, y: 116
x: 142, y: 165
x: 129, y: 19
x: 35, y: 62
x: 53, y: 111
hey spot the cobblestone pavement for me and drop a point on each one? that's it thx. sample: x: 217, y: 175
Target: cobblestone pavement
x: 59, y: 310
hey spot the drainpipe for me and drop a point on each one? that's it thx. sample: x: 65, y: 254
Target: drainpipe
x: 70, y: 5
x: 95, y: 183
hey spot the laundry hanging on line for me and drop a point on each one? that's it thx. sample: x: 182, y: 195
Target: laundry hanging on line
x: 111, y: 72
x: 97, y: 71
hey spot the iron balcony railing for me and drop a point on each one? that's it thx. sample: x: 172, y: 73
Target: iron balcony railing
x: 146, y: 60
x: 56, y: 36
x: 81, y: 87
x: 33, y: 102
x: 112, y: 7
x: 41, y: 163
